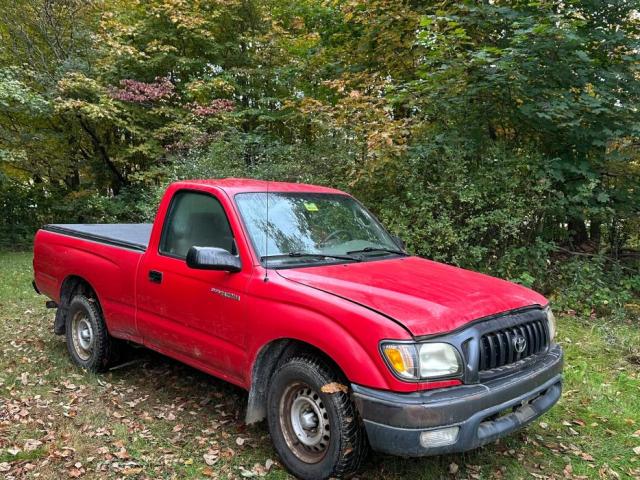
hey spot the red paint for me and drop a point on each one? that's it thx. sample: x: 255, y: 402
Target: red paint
x: 427, y: 297
x: 343, y: 310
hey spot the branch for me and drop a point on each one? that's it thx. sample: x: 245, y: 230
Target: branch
x: 102, y: 151
x: 593, y: 255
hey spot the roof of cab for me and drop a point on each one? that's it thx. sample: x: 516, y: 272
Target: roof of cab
x: 242, y: 185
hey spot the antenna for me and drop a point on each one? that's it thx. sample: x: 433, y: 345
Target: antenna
x: 266, y: 240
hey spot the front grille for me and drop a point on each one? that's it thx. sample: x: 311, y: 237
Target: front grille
x: 498, y: 348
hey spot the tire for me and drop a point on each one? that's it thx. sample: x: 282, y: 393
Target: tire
x: 88, y: 341
x: 327, y: 440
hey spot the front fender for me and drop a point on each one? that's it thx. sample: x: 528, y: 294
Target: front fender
x: 344, y: 331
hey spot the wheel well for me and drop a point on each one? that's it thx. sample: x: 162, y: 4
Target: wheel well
x: 71, y: 286
x: 269, y: 358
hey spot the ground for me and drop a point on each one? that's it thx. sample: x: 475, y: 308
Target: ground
x: 156, y: 418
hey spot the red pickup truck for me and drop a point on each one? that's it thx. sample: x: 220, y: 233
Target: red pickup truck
x: 299, y: 295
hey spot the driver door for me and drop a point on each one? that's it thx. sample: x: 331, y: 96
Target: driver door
x: 193, y: 315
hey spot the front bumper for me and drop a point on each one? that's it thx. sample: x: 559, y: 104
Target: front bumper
x: 483, y: 412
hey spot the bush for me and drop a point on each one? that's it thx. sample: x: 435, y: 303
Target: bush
x: 482, y: 213
x: 27, y: 206
x: 23, y: 205
x: 596, y: 286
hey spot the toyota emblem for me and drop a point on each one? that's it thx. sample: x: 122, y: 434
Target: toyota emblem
x: 519, y: 343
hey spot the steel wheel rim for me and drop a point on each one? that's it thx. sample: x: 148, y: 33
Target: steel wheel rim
x: 82, y: 335
x: 304, y: 421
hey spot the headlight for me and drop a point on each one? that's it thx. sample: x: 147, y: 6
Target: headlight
x: 423, y: 360
x: 438, y: 360
x: 551, y: 320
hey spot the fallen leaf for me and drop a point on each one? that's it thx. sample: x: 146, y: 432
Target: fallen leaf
x: 334, y: 387
x: 636, y: 450
x: 30, y: 445
x: 453, y: 468
x: 5, y: 467
x: 75, y: 471
x: 66, y: 452
x: 608, y: 472
x: 586, y: 456
x: 131, y: 470
x: 568, y: 470
x: 240, y: 441
x: 246, y: 473
x: 122, y: 454
x: 228, y: 453
x: 259, y: 469
x: 210, y: 459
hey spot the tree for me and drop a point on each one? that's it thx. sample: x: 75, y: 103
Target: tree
x: 560, y: 78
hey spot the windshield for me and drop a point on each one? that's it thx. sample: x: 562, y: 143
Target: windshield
x: 303, y: 227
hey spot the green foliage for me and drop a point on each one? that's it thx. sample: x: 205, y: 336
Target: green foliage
x: 559, y: 79
x: 595, y: 286
x: 487, y: 134
x: 22, y: 212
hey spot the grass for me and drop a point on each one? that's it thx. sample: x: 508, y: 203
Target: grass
x: 158, y: 419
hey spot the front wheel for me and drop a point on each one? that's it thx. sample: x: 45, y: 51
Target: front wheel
x: 317, y: 433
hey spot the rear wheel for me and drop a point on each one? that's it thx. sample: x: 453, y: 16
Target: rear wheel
x: 317, y: 434
x: 88, y: 341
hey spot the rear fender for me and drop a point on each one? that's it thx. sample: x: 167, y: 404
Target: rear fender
x: 109, y: 271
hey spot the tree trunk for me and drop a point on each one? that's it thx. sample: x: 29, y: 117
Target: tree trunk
x: 595, y: 232
x: 73, y: 179
x: 119, y: 179
x: 577, y: 231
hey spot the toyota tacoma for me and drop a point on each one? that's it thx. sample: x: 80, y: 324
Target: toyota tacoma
x: 298, y: 294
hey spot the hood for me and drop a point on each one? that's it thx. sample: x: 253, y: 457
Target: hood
x: 425, y: 296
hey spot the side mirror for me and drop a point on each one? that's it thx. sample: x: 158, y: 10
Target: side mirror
x: 212, y: 258
x: 398, y: 241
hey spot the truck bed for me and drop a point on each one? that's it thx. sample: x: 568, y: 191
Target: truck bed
x: 133, y: 236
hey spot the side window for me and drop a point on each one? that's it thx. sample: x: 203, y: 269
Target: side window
x: 195, y: 219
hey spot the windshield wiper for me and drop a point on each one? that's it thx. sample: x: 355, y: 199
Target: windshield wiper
x: 310, y: 254
x: 379, y: 249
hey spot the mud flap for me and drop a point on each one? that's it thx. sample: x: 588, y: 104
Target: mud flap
x: 59, y: 323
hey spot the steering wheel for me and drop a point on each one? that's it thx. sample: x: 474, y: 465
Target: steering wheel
x: 334, y: 234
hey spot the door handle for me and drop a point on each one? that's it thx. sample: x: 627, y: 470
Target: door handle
x: 155, y: 276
